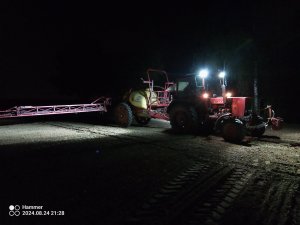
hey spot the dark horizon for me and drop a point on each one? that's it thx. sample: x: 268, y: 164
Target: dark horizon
x: 55, y: 50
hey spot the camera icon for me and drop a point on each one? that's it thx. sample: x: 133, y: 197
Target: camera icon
x: 14, y: 210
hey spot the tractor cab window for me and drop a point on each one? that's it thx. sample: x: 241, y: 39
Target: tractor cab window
x: 198, y: 81
x: 213, y: 85
x: 189, y: 86
x: 188, y: 83
x: 182, y: 85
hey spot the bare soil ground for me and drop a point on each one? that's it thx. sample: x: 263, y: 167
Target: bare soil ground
x: 103, y: 174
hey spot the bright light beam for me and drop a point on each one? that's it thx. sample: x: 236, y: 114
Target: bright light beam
x: 203, y: 73
x: 222, y: 74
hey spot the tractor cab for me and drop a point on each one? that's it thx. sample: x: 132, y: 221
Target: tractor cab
x: 190, y: 88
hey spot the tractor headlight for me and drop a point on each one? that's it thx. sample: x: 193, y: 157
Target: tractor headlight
x: 222, y: 74
x: 205, y: 95
x: 203, y: 73
x: 228, y: 94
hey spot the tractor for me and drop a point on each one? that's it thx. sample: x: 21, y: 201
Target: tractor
x: 150, y: 101
x: 190, y: 107
x: 193, y: 109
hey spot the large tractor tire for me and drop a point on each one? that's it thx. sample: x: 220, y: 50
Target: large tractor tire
x: 123, y: 115
x: 256, y: 127
x: 183, y: 119
x: 233, y: 131
x: 142, y: 120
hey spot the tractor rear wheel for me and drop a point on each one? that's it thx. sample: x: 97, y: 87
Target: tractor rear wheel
x: 183, y: 119
x: 233, y: 131
x: 123, y: 115
x: 142, y: 120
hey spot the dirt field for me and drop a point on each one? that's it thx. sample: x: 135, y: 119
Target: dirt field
x: 100, y: 174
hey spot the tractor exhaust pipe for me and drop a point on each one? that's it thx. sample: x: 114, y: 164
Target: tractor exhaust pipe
x: 223, y: 87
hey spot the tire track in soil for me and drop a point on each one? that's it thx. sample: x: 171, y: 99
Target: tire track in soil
x: 122, y: 138
x: 213, y: 206
x: 213, y: 193
x: 277, y: 167
x: 200, y: 195
x: 295, y: 212
x: 111, y: 134
x: 270, y: 199
x: 291, y: 143
x: 278, y: 202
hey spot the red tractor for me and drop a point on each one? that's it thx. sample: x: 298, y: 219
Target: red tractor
x: 151, y: 101
x: 192, y: 109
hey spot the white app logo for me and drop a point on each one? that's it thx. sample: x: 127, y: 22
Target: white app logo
x: 14, y: 210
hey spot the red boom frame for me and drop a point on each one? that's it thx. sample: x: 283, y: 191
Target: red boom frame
x: 99, y: 105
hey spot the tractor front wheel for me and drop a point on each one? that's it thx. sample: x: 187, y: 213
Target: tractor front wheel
x: 256, y: 127
x: 233, y: 131
x: 183, y: 119
x: 258, y: 132
x: 123, y: 115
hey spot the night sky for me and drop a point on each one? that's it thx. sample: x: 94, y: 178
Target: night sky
x: 56, y: 50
